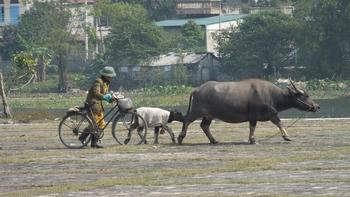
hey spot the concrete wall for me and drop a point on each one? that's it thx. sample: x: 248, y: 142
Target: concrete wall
x: 211, y: 30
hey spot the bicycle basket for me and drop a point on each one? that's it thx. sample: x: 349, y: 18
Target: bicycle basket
x: 125, y: 104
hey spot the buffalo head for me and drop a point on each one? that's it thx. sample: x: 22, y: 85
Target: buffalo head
x: 301, y: 100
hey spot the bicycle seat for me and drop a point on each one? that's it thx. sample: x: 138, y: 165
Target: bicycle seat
x: 85, y: 107
x: 76, y: 109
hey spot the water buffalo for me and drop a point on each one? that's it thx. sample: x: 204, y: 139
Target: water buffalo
x: 250, y: 100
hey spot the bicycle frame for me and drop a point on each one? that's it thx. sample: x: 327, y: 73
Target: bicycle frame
x: 116, y: 113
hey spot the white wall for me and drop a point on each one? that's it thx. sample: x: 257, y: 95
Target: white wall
x: 211, y: 30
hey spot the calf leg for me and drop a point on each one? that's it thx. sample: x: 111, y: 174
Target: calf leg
x: 156, y: 135
x: 275, y: 120
x: 252, y: 125
x: 171, y: 133
x: 139, y: 131
x: 132, y: 127
x: 205, y: 124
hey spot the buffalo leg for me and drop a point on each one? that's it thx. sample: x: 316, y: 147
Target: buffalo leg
x: 171, y: 133
x: 275, y: 120
x: 205, y: 124
x: 252, y: 125
x: 182, y: 135
x: 156, y: 135
x: 188, y: 120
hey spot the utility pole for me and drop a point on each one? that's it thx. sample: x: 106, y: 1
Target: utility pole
x: 86, y: 33
x: 220, y: 7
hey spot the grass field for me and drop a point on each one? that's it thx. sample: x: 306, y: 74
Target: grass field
x: 160, y: 96
x: 33, y: 162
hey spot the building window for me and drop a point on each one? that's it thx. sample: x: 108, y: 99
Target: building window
x: 14, y: 12
x: 2, y: 12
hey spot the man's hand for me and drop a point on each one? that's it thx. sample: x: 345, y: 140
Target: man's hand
x: 107, y: 97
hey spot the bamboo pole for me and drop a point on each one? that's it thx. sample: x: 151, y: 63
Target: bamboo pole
x: 3, y: 96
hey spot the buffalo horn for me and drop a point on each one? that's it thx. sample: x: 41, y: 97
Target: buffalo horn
x: 291, y: 82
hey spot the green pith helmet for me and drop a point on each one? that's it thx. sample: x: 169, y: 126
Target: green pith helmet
x: 108, y: 71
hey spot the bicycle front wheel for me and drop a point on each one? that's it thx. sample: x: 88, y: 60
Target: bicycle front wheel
x: 129, y: 128
x: 74, y: 130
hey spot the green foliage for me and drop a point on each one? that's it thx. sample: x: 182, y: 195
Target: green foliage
x: 40, y: 54
x: 50, y: 85
x: 77, y: 81
x: 192, y: 37
x: 326, y: 85
x: 23, y: 69
x: 133, y: 37
x: 264, y: 40
x: 324, y: 42
x: 272, y: 3
x: 192, y: 29
x: 158, y: 10
x: 79, y: 77
x: 179, y: 75
x: 23, y: 63
x: 46, y: 25
x: 10, y: 44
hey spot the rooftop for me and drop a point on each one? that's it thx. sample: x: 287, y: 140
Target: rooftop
x: 201, y: 21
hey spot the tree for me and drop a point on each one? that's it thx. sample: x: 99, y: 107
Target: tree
x: 157, y: 9
x: 133, y: 37
x: 272, y: 3
x: 23, y: 70
x: 46, y: 25
x: 10, y: 43
x: 41, y: 55
x: 264, y: 40
x: 192, y: 37
x: 324, y: 44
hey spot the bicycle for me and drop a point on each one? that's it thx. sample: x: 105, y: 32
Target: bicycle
x: 124, y: 118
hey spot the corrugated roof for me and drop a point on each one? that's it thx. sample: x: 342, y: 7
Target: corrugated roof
x: 201, y: 21
x: 173, y: 59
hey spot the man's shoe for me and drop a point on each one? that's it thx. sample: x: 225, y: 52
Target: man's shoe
x: 94, y: 143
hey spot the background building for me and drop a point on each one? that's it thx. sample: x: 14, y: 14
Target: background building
x: 210, y: 25
x: 10, y: 10
x: 196, y: 68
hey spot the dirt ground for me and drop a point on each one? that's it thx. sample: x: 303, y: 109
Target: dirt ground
x: 33, y: 162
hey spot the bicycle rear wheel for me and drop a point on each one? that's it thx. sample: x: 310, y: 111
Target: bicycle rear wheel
x: 129, y: 128
x: 74, y: 130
